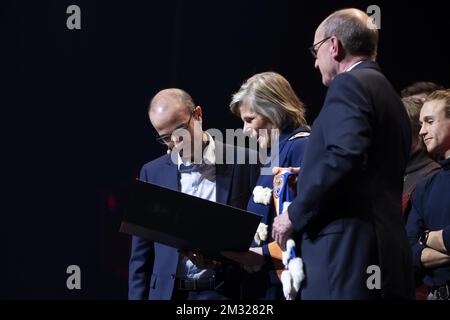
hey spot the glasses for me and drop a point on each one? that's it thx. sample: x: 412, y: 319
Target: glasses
x: 167, y: 138
x: 313, y: 48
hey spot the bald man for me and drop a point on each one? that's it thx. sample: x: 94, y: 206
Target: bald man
x: 192, y: 166
x: 347, y: 216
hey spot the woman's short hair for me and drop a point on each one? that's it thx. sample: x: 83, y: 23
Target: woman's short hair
x: 270, y: 95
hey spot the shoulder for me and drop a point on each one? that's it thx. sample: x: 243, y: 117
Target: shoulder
x: 350, y: 93
x: 156, y: 163
x: 357, y: 78
x: 296, y: 145
x: 369, y: 70
x: 346, y: 81
x: 425, y: 185
x: 299, y: 137
x: 346, y: 89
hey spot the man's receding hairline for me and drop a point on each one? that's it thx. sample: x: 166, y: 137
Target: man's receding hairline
x: 180, y: 98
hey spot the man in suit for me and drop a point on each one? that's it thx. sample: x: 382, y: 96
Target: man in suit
x: 160, y: 272
x: 347, y: 216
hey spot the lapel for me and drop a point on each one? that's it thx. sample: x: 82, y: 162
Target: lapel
x: 266, y: 181
x: 224, y: 173
x: 171, y: 178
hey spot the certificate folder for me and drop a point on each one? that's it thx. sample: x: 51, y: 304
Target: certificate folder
x: 186, y: 222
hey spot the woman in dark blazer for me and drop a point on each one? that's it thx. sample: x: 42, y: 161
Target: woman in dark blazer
x: 269, y: 109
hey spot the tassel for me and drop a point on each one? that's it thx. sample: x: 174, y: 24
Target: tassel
x: 286, y: 280
x: 261, y: 233
x: 262, y: 195
x: 295, y: 267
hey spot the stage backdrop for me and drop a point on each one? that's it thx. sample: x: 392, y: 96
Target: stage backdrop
x: 77, y: 130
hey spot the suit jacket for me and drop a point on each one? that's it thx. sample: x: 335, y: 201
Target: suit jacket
x: 265, y: 284
x: 348, y: 209
x: 153, y: 266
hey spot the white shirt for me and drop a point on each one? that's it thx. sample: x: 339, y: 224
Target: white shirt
x: 199, y: 181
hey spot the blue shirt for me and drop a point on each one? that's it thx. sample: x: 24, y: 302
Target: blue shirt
x: 431, y: 211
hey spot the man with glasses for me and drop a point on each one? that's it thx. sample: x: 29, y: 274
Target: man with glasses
x: 160, y: 272
x: 347, y: 216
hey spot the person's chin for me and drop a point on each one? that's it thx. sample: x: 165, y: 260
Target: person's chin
x: 431, y: 150
x: 252, y: 134
x: 262, y: 142
x: 326, y: 81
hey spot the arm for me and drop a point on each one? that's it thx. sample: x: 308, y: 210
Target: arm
x: 140, y: 268
x: 415, y: 226
x: 344, y: 127
x: 439, y: 240
x: 141, y: 263
x: 431, y: 258
x: 434, y: 254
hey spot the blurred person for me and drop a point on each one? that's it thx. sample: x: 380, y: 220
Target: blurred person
x: 420, y: 90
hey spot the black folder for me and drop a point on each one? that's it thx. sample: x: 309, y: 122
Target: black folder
x: 186, y: 222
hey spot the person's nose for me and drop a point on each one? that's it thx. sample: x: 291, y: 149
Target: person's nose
x: 316, y: 64
x: 246, y: 128
x: 423, y: 131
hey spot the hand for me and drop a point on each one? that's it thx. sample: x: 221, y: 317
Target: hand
x: 252, y: 257
x: 199, y: 260
x: 282, y: 229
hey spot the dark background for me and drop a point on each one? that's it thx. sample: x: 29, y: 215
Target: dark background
x: 76, y: 130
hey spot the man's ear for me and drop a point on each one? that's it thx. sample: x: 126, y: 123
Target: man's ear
x: 198, y: 113
x: 337, y: 49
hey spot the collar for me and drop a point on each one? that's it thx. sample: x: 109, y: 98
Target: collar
x: 418, y: 160
x: 353, y: 65
x: 445, y: 163
x: 209, y: 154
x: 285, y: 135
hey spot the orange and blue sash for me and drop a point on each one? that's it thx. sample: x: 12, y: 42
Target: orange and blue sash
x: 282, y: 193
